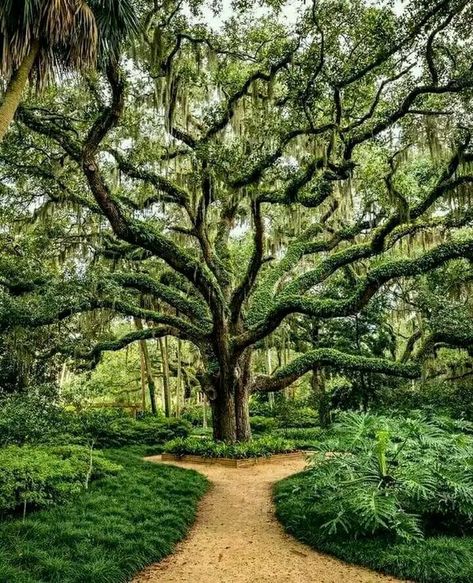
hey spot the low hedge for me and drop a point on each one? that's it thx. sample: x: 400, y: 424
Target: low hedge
x: 304, y: 438
x: 259, y: 447
x: 39, y: 476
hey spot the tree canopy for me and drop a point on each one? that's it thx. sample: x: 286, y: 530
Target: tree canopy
x: 223, y: 185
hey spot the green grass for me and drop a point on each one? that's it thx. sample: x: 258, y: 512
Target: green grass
x: 432, y: 560
x: 107, y: 534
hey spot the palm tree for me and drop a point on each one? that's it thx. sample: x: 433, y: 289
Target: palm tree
x: 39, y: 38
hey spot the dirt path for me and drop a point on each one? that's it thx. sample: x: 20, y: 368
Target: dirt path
x: 237, y: 539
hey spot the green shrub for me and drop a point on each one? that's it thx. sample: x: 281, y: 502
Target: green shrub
x: 31, y: 418
x: 285, y: 412
x: 194, y: 414
x: 435, y: 396
x: 303, y: 437
x: 434, y: 559
x: 291, y: 414
x: 260, y: 408
x: 401, y: 478
x: 40, y: 476
x: 111, y: 428
x: 260, y: 447
x: 262, y: 424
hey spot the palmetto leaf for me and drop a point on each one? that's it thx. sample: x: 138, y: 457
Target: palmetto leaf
x: 70, y: 34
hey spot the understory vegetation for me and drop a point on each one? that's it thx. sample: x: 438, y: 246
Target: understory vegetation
x: 37, y: 418
x: 121, y: 524
x: 38, y: 476
x: 393, y: 493
x: 258, y: 447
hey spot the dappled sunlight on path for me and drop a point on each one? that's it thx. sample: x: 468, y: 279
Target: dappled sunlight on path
x: 237, y: 538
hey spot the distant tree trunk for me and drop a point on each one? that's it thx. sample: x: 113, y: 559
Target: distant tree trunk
x: 269, y: 370
x: 143, y: 380
x: 148, y: 370
x: 204, y: 411
x: 179, y: 391
x: 320, y: 396
x: 14, y: 91
x: 163, y: 346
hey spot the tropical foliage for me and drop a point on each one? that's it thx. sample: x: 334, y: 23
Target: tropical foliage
x: 399, y: 477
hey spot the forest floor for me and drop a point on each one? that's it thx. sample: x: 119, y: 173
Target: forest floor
x: 237, y: 538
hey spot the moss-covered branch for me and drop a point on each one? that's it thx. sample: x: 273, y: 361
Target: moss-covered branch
x: 92, y: 357
x: 330, y: 357
x: 168, y: 192
x: 366, y: 289
x: 188, y: 305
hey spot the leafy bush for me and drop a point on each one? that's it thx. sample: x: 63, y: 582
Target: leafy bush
x: 194, y: 414
x: 262, y: 424
x: 109, y: 428
x: 260, y: 447
x: 31, y: 417
x: 452, y: 398
x: 41, y: 475
x: 433, y: 559
x: 285, y: 412
x: 34, y: 418
x: 403, y: 478
x: 304, y: 438
x: 291, y: 414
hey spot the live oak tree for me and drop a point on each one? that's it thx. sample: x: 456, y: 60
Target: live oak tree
x: 261, y: 174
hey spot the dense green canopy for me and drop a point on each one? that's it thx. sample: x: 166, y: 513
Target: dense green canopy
x: 230, y: 186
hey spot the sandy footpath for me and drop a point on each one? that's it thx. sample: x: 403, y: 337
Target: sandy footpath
x: 237, y: 539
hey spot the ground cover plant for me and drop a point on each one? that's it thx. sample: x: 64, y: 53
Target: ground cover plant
x: 395, y: 494
x: 107, y: 534
x: 303, y: 438
x: 206, y: 447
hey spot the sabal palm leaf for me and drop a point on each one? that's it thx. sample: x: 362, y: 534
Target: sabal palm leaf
x: 38, y: 38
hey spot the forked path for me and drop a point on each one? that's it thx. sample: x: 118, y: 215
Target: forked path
x: 237, y: 539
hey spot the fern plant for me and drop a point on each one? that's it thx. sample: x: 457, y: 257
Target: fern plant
x: 404, y: 478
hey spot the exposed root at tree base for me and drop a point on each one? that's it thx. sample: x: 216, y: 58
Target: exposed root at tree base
x: 237, y: 538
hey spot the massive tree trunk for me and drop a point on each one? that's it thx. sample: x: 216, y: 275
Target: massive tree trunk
x: 230, y: 402
x: 15, y: 88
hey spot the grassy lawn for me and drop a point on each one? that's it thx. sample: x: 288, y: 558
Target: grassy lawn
x: 107, y: 534
x: 433, y: 560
